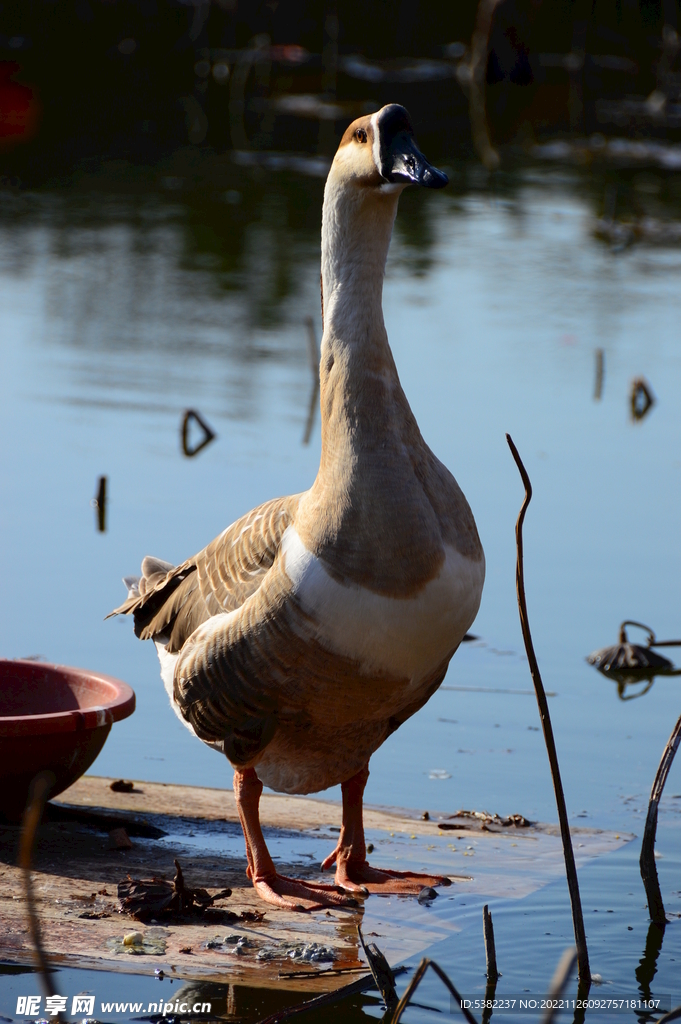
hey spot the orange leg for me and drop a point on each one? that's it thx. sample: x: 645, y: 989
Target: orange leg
x: 267, y: 883
x: 353, y: 872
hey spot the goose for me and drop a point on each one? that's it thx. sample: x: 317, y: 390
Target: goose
x: 310, y: 629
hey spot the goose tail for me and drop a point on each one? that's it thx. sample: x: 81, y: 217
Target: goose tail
x: 154, y: 571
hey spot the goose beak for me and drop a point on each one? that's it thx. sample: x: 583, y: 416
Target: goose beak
x: 405, y: 164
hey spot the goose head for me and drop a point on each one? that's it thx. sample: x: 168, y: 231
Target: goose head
x: 379, y: 151
x: 377, y: 158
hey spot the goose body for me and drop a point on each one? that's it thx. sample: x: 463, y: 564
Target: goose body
x: 311, y: 628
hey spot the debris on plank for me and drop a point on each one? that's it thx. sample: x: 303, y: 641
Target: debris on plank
x: 299, y: 952
x: 147, y: 898
x: 427, y: 895
x: 486, y: 821
x: 151, y: 943
x: 119, y: 839
x: 122, y: 786
x: 256, y: 916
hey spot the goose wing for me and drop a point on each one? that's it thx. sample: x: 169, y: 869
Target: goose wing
x: 223, y: 613
x: 169, y: 602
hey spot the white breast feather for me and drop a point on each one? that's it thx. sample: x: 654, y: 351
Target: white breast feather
x: 168, y: 662
x: 401, y: 637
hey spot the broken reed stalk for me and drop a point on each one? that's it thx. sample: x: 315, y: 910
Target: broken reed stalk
x: 313, y: 352
x: 381, y: 971
x: 477, y: 109
x: 414, y: 983
x: 491, y: 965
x: 570, y: 868
x: 600, y: 370
x: 256, y: 50
x: 647, y: 859
x: 40, y: 788
x: 312, y: 348
x: 490, y: 949
x: 561, y: 976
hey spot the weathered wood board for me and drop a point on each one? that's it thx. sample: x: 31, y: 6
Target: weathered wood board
x: 76, y: 875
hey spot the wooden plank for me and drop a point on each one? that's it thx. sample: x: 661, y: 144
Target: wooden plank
x: 288, y: 812
x: 76, y: 876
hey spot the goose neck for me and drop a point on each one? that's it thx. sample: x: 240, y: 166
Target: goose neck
x: 356, y: 232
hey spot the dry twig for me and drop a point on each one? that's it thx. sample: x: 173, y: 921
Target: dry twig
x: 40, y: 789
x: 570, y: 868
x: 647, y: 859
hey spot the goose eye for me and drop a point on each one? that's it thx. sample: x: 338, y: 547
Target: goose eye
x: 361, y: 135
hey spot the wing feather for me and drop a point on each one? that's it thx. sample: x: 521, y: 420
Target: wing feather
x: 174, y: 601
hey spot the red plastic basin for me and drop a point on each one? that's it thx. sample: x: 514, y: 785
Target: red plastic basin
x: 56, y: 718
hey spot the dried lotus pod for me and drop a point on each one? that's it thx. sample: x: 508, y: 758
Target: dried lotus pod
x: 631, y: 659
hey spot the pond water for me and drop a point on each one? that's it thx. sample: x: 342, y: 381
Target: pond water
x: 122, y: 304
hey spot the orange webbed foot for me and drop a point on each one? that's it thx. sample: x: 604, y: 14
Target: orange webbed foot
x: 354, y: 875
x: 353, y: 872
x: 358, y: 876
x: 294, y: 894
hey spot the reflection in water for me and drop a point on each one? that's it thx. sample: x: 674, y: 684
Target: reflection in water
x: 220, y: 998
x: 126, y: 255
x: 227, y: 1002
x: 241, y: 1003
x: 133, y: 295
x: 147, y: 289
x: 626, y: 681
x: 647, y: 968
